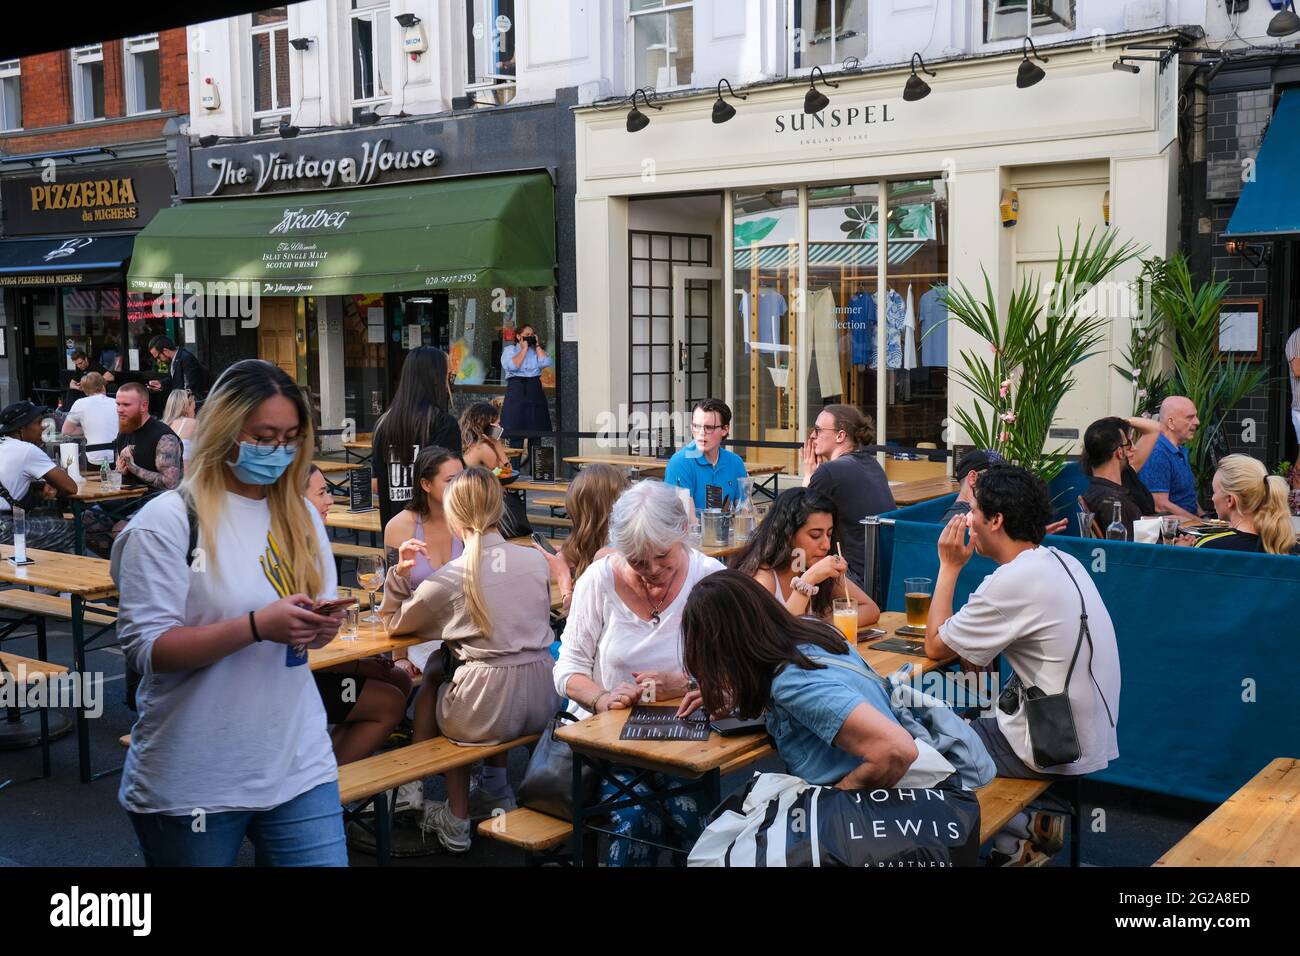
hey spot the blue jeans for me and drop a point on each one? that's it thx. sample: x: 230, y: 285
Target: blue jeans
x: 306, y: 831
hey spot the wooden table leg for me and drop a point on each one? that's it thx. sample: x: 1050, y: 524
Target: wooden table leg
x: 79, y: 668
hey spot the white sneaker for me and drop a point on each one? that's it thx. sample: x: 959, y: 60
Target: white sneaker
x: 483, y: 804
x: 452, y: 832
x: 410, y: 796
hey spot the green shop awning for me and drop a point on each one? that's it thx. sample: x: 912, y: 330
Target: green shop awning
x: 487, y: 232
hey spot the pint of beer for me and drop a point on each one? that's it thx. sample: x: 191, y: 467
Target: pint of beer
x: 916, y: 592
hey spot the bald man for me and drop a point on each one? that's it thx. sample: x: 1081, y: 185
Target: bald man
x: 1167, y: 472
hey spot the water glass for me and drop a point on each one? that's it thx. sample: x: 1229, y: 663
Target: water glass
x: 114, y: 480
x: 351, y: 618
x: 1086, y: 518
x: 1168, y: 528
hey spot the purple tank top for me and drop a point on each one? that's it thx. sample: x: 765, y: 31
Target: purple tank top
x: 422, y: 567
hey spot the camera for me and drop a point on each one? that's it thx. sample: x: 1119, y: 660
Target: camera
x: 530, y: 341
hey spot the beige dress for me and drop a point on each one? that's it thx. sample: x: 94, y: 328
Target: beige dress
x: 503, y: 687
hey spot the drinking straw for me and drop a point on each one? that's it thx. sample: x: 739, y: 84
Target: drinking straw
x: 845, y: 580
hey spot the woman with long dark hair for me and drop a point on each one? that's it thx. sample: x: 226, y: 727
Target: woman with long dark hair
x: 793, y: 555
x: 416, y: 417
x: 228, y: 723
x: 830, y: 719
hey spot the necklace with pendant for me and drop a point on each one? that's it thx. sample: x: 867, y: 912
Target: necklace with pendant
x: 656, y: 608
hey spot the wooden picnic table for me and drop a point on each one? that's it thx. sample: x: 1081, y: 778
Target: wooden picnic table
x: 596, y: 742
x: 90, y: 491
x: 371, y: 639
x: 528, y: 484
x: 924, y: 489
x: 340, y: 517
x: 1259, y: 825
x: 639, y: 462
x: 84, y: 579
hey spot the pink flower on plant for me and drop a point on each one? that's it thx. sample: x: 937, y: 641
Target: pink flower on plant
x: 1009, y: 418
x: 1005, y: 437
x: 1004, y: 388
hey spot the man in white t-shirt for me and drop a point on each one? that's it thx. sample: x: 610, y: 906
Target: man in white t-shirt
x: 94, y: 416
x: 1293, y: 370
x: 1028, y: 610
x: 23, y: 462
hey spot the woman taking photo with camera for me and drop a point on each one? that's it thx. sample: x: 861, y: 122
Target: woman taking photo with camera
x: 231, y: 728
x: 525, y: 405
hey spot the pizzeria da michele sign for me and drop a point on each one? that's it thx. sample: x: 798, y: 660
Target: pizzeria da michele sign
x: 280, y: 170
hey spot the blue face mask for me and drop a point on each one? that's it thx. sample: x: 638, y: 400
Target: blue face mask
x: 253, y: 468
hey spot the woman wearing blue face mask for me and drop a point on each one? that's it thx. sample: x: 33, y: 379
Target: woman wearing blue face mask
x: 230, y: 728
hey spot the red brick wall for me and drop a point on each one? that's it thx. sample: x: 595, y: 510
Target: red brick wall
x: 47, y: 99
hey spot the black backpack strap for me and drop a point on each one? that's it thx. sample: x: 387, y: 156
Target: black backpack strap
x: 192, y: 520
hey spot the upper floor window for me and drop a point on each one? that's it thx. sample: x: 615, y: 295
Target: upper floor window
x: 372, y: 71
x: 11, y: 98
x: 142, y: 74
x: 1009, y: 19
x: 825, y: 33
x: 88, y: 83
x: 270, y: 39
x: 490, y: 43
x: 663, y: 43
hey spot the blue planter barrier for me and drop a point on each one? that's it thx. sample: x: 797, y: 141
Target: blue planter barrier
x: 1209, y: 692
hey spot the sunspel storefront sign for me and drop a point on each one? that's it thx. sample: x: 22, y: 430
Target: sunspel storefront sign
x: 66, y: 200
x: 315, y: 163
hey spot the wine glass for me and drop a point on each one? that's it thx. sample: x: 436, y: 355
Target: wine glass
x: 371, y: 569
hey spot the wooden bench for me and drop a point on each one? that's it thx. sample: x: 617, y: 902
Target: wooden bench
x: 546, y: 521
x: 363, y: 780
x: 51, y: 605
x: 342, y: 549
x: 31, y: 671
x: 536, y: 832
x: 1259, y: 825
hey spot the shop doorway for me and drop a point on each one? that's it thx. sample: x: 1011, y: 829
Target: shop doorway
x: 277, y: 334
x: 675, y: 332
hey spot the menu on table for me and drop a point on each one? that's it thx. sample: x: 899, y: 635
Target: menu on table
x: 662, y: 723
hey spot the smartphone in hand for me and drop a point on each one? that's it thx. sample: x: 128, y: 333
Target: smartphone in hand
x: 329, y: 607
x: 544, y: 542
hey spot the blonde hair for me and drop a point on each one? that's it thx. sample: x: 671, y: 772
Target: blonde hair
x: 473, y: 505
x: 589, y: 502
x: 238, y: 393
x: 1262, y: 498
x: 92, y: 383
x: 177, y: 402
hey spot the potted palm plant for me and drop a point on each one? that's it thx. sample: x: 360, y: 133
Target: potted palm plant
x: 1033, y: 348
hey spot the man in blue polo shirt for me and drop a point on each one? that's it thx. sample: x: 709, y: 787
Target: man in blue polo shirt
x: 704, y: 461
x: 1167, y: 473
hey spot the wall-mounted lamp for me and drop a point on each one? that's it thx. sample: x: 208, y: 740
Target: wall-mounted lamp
x: 368, y: 118
x: 636, y: 120
x: 406, y: 19
x: 1030, y: 72
x: 1256, y: 255
x: 288, y: 130
x: 1284, y: 22
x: 722, y: 110
x: 1125, y: 67
x: 210, y: 140
x: 815, y: 100
x: 300, y: 43
x: 917, y: 88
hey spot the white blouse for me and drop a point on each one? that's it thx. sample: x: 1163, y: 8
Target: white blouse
x: 605, y: 641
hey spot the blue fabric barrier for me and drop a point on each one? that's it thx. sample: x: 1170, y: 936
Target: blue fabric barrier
x: 1209, y: 679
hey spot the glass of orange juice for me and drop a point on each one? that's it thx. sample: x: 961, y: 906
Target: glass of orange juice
x: 917, y: 593
x: 846, y: 619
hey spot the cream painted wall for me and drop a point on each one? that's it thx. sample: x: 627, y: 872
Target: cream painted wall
x: 1080, y: 131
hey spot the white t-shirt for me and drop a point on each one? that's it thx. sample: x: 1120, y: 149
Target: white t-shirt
x: 1292, y: 353
x: 605, y: 641
x: 21, y: 463
x: 97, y: 417
x: 245, y: 733
x: 1028, y: 611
